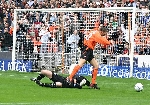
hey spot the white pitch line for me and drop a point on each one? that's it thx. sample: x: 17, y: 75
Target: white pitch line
x: 15, y: 103
x: 33, y: 104
x: 117, y: 83
x: 22, y: 104
x: 11, y: 75
x: 147, y: 84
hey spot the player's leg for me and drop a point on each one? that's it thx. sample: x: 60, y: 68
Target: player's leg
x: 77, y: 67
x: 42, y: 74
x: 57, y: 79
x: 47, y: 73
x: 82, y: 61
x: 94, y: 63
x: 51, y: 85
x: 38, y: 78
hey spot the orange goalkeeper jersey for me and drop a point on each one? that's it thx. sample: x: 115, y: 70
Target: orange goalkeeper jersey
x: 94, y: 37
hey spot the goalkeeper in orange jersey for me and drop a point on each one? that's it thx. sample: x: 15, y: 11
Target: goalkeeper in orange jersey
x: 59, y: 81
x: 90, y: 40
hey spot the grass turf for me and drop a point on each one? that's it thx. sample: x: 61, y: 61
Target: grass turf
x: 17, y: 89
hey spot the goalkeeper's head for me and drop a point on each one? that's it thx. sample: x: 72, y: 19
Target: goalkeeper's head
x: 103, y: 31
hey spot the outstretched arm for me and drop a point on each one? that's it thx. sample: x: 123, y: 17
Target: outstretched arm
x: 102, y: 40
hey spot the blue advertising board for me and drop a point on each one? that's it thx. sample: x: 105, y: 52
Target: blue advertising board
x: 141, y: 69
x: 22, y: 66
x: 116, y: 71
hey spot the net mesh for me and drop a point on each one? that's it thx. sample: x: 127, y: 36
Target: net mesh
x: 42, y: 37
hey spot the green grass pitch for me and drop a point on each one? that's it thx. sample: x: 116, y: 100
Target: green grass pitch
x: 17, y: 89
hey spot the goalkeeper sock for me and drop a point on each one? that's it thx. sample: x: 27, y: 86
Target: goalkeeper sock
x: 51, y: 85
x: 40, y: 76
x: 75, y: 70
x: 94, y: 75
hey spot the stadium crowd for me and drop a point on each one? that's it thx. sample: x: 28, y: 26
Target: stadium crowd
x: 33, y: 25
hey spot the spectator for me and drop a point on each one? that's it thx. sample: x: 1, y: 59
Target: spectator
x: 33, y: 32
x: 37, y: 44
x: 28, y: 46
x: 73, y: 21
x: 73, y: 41
x: 1, y: 26
x: 45, y: 38
x: 30, y: 2
x: 81, y: 35
x: 53, y: 29
x: 35, y: 4
x: 6, y: 41
x: 53, y: 18
x: 24, y: 2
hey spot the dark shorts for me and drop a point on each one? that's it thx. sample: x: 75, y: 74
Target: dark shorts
x: 87, y: 54
x: 58, y: 78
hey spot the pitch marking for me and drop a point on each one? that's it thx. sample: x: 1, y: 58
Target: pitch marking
x: 11, y: 75
x: 15, y: 103
x: 119, y: 83
x: 32, y: 104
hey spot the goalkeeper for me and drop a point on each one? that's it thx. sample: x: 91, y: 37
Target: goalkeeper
x: 59, y: 81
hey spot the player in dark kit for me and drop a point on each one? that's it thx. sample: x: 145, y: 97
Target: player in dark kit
x: 60, y: 81
x: 90, y: 40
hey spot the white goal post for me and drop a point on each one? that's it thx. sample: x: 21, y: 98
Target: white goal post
x: 131, y: 10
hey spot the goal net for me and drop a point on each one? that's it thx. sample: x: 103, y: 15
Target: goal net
x: 54, y: 37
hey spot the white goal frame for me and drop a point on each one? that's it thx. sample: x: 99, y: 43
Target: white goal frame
x: 111, y: 9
